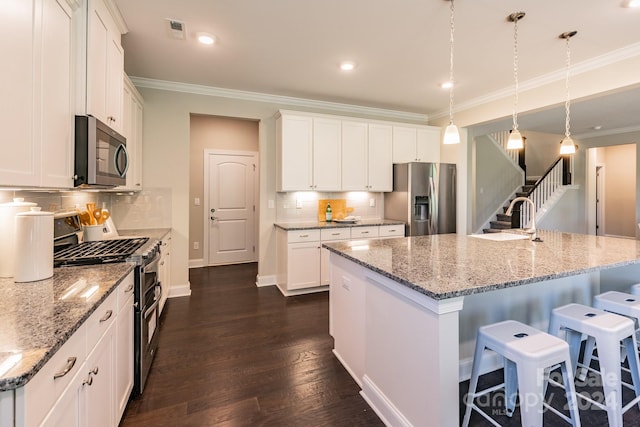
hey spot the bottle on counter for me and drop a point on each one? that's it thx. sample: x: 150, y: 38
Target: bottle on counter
x: 328, y: 214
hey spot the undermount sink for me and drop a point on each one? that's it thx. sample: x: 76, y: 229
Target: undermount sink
x: 500, y: 237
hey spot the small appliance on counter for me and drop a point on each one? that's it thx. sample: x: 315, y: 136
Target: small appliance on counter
x: 34, y: 245
x: 8, y: 213
x: 424, y: 196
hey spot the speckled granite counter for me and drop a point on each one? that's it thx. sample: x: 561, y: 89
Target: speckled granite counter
x: 36, y: 322
x: 154, y: 233
x: 449, y: 265
x: 291, y: 226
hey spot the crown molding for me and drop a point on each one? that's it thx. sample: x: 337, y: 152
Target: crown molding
x: 592, y: 64
x: 143, y: 82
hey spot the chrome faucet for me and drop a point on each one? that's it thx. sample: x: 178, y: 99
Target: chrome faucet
x: 532, y: 230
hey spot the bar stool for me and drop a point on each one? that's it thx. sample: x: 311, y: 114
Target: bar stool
x: 607, y: 330
x: 528, y: 355
x: 635, y: 289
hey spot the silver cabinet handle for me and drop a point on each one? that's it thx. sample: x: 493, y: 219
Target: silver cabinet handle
x: 68, y: 367
x: 335, y: 234
x: 304, y: 235
x: 106, y: 316
x: 365, y: 232
x: 213, y: 218
x: 88, y: 381
x: 129, y: 288
x: 392, y: 230
x: 94, y: 371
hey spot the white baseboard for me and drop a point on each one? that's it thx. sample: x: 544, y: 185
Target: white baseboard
x: 266, y: 280
x: 304, y: 291
x: 180, y: 290
x: 197, y: 263
x: 388, y: 413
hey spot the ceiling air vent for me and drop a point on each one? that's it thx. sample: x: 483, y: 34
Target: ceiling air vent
x: 176, y: 29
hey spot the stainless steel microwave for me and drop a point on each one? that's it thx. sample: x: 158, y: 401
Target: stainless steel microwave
x: 101, y: 158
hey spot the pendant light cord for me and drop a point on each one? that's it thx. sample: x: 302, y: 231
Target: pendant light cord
x: 515, y: 73
x: 567, y: 103
x: 451, y: 28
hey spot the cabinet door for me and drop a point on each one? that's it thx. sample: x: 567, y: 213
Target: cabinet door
x: 164, y: 270
x: 115, y: 61
x: 56, y: 123
x: 295, y: 153
x: 380, y: 163
x: 99, y: 394
x: 97, y: 54
x: 124, y: 356
x: 354, y: 156
x: 19, y: 162
x: 69, y: 409
x: 428, y: 145
x: 136, y: 152
x: 326, y: 155
x: 404, y: 144
x: 303, y: 260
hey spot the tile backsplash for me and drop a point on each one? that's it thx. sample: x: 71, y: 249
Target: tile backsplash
x: 302, y: 206
x: 150, y: 208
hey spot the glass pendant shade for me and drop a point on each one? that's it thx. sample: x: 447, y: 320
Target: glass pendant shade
x: 567, y: 146
x: 451, y: 135
x: 515, y: 140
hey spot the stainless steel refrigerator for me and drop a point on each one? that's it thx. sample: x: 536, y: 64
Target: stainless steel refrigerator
x: 424, y: 197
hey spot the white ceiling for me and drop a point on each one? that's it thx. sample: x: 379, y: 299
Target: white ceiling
x: 293, y: 47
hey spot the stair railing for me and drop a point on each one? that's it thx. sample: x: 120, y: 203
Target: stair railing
x: 558, y: 174
x: 501, y: 138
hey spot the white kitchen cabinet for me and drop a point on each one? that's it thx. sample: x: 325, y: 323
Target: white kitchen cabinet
x: 327, y: 136
x: 416, y: 144
x: 330, y: 235
x: 105, y: 65
x: 379, y: 158
x: 124, y: 351
x: 99, y: 391
x: 294, y: 135
x: 391, y: 231
x: 132, y: 130
x: 67, y: 411
x: 164, y: 269
x: 37, y: 113
x: 355, y: 147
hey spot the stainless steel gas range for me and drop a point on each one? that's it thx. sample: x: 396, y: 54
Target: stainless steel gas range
x: 145, y: 253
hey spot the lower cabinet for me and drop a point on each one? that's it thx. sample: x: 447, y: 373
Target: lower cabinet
x: 86, y: 381
x: 164, y: 269
x: 303, y: 265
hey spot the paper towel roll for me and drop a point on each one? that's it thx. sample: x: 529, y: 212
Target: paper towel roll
x: 34, y: 246
x: 8, y: 213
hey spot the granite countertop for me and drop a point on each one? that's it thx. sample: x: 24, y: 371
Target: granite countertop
x: 292, y: 226
x: 154, y: 233
x: 450, y: 265
x: 35, y: 322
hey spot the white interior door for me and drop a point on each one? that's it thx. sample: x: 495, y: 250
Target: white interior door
x: 231, y: 211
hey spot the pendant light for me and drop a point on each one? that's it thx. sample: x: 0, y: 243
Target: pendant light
x: 567, y: 146
x: 515, y: 139
x: 451, y: 134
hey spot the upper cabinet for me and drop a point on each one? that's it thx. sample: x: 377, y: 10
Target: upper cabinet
x: 37, y: 109
x: 416, y: 144
x: 332, y: 153
x: 105, y: 65
x: 132, y: 130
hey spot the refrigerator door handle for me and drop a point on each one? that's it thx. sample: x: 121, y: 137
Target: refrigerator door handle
x: 433, y: 215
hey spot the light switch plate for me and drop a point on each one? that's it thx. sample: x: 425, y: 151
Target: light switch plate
x: 298, y: 204
x: 372, y: 203
x: 196, y: 201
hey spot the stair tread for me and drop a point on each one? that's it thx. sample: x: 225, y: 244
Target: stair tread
x: 491, y: 230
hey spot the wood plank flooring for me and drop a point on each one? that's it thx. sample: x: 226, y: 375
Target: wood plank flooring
x: 233, y: 354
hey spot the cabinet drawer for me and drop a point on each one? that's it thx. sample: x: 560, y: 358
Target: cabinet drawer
x: 41, y: 392
x: 125, y: 291
x: 391, y: 230
x: 303, y: 236
x: 100, y: 320
x: 335, y: 234
x: 364, y: 232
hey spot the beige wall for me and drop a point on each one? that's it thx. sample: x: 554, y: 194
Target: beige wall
x: 542, y: 150
x: 620, y: 190
x: 212, y: 133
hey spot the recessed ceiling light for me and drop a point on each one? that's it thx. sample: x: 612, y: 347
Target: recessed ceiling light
x: 597, y: 127
x: 631, y: 3
x: 446, y: 85
x: 347, y: 66
x: 206, y: 38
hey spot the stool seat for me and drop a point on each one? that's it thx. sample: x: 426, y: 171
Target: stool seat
x: 607, y: 331
x: 619, y: 303
x: 635, y: 289
x: 528, y: 355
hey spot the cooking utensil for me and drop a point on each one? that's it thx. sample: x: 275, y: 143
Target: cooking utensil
x: 85, y: 219
x: 90, y: 208
x: 101, y: 215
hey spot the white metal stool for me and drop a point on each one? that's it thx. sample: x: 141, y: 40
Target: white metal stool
x: 607, y: 330
x: 635, y: 289
x: 528, y: 355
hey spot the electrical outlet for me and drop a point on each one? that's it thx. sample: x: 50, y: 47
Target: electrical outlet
x: 196, y: 245
x: 196, y: 201
x: 298, y: 204
x: 372, y: 203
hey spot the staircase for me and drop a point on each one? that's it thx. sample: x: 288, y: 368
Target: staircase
x: 503, y: 221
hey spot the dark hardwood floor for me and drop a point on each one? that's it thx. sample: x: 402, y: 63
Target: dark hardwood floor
x: 233, y: 354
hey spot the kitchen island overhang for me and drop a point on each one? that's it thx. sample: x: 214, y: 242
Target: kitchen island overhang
x: 404, y: 312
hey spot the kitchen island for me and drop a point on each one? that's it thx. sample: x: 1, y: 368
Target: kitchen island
x: 404, y: 312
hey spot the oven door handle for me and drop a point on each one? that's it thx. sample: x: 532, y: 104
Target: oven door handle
x: 150, y: 309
